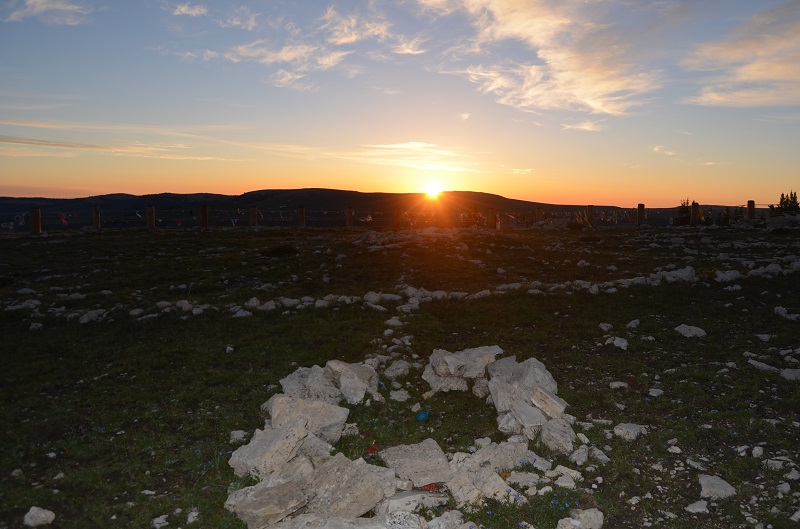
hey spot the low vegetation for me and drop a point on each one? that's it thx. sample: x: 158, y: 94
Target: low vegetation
x: 122, y: 419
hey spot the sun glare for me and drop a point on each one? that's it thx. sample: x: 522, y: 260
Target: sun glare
x: 433, y: 190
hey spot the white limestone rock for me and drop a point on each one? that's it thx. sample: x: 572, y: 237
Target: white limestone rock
x: 698, y: 507
x: 268, y: 451
x: 323, y: 420
x: 529, y: 374
x: 548, y: 402
x: 468, y: 363
x: 397, y: 369
x: 264, y: 503
x: 343, y: 488
x: 37, y: 516
x: 422, y: 463
x: 689, y: 331
x: 714, y: 487
x: 629, y: 431
x: 558, y: 436
x: 311, y: 383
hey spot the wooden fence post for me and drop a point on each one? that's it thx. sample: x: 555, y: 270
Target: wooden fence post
x: 301, y: 216
x: 396, y: 216
x: 640, y: 215
x: 491, y: 222
x: 590, y: 214
x: 253, y: 216
x: 204, y: 217
x: 96, y: 217
x: 539, y: 214
x: 36, y: 221
x: 694, y: 214
x: 751, y: 209
x: 151, y: 217
x: 349, y: 217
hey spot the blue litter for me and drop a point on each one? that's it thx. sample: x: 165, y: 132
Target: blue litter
x: 421, y: 416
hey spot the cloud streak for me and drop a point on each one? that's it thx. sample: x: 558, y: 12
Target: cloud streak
x: 57, y: 12
x: 757, y: 64
x: 190, y: 10
x: 411, y: 154
x: 579, y: 62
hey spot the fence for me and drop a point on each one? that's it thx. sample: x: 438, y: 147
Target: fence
x: 38, y: 220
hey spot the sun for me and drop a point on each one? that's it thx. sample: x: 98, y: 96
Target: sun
x: 433, y: 190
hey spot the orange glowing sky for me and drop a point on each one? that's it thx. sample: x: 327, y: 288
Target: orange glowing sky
x: 612, y: 102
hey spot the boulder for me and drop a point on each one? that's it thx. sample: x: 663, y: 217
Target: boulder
x: 265, y: 504
x: 397, y: 369
x: 354, y: 380
x: 422, y: 463
x: 558, y: 436
x: 714, y: 487
x: 410, y: 501
x: 323, y: 419
x: 548, y: 402
x: 443, y: 384
x: 468, y: 363
x: 505, y: 394
x: 529, y: 374
x: 343, y: 488
x: 311, y: 383
x: 268, y: 450
x: 588, y: 518
x: 528, y: 416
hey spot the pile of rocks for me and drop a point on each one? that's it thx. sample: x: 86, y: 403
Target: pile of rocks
x: 301, y: 484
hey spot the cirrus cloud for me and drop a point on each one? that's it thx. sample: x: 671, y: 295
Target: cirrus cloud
x: 757, y: 64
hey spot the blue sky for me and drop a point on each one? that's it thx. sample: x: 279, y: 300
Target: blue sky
x: 591, y: 101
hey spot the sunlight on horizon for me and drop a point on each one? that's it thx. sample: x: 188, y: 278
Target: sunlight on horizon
x: 432, y: 190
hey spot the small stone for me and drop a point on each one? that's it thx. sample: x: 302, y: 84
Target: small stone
x: 698, y: 507
x: 37, y: 516
x: 689, y: 331
x: 628, y: 431
x: 714, y: 487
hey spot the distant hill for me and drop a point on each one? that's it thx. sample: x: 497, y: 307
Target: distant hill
x: 311, y: 199
x: 279, y: 207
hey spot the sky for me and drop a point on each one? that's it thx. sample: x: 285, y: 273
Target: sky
x: 607, y: 102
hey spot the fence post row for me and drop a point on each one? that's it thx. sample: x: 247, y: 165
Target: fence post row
x: 492, y: 221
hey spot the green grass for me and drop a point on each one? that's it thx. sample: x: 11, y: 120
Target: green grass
x: 128, y: 406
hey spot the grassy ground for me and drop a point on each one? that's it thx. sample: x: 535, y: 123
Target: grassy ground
x: 117, y: 421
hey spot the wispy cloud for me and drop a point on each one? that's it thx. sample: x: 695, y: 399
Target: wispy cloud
x: 243, y: 18
x: 190, y: 10
x: 659, y: 149
x: 351, y: 29
x: 412, y: 154
x: 60, y: 12
x: 580, y: 63
x: 758, y: 64
x: 586, y: 126
x: 301, y: 57
x: 411, y: 46
x: 135, y: 149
